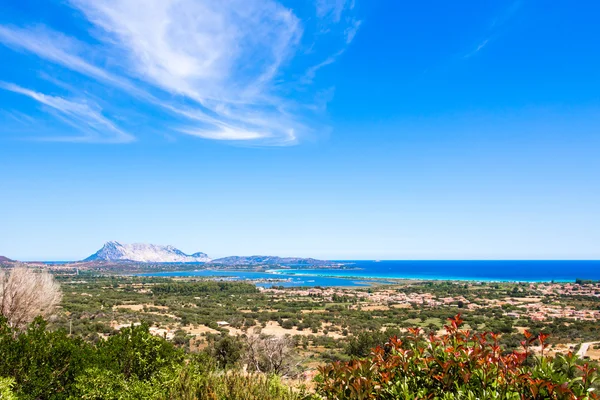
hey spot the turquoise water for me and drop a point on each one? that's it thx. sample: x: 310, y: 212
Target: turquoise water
x: 357, y: 271
x: 522, y: 271
x: 265, y: 279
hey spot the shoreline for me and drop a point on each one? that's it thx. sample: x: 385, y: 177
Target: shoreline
x: 419, y: 278
x: 367, y: 279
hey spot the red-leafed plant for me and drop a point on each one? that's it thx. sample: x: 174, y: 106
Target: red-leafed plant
x: 458, y: 365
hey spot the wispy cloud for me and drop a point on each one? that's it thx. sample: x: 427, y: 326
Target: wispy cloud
x: 332, y: 8
x: 479, y: 47
x: 221, y: 61
x: 352, y: 30
x: 331, y: 12
x: 223, y: 55
x: 506, y: 15
x: 58, y: 48
x: 87, y: 118
x: 312, y: 71
x: 493, y: 32
x: 224, y: 133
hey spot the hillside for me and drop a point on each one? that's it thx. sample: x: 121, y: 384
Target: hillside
x: 113, y: 251
x: 145, y: 253
x: 269, y: 260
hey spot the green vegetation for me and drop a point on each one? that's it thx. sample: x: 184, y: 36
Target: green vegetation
x: 127, y: 337
x: 459, y: 365
x: 133, y: 364
x: 327, y: 326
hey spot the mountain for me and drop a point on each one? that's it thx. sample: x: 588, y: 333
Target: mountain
x: 5, y: 260
x: 268, y: 260
x: 142, y: 252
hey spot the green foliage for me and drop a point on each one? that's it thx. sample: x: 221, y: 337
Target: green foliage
x: 103, y: 384
x: 134, y: 352
x: 133, y: 364
x: 205, y: 287
x: 186, y: 382
x: 43, y: 363
x: 459, y: 365
x: 362, y: 344
x: 226, y: 350
x: 6, y: 385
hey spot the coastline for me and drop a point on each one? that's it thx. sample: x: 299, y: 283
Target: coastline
x: 331, y: 277
x: 415, y: 277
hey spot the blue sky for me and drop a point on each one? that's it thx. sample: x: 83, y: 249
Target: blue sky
x: 344, y: 129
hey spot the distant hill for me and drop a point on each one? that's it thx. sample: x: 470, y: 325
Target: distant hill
x: 269, y: 260
x: 145, y: 253
x: 151, y: 253
x: 5, y: 259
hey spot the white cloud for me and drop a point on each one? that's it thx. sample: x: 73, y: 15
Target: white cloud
x: 225, y: 133
x: 218, y: 65
x: 312, y: 71
x: 330, y: 12
x: 479, y: 47
x: 224, y: 55
x: 57, y: 48
x: 332, y: 8
x: 351, y: 30
x: 482, y: 45
x: 86, y: 117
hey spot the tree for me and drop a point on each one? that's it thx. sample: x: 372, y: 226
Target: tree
x: 136, y: 353
x: 227, y: 351
x: 271, y: 354
x: 26, y: 294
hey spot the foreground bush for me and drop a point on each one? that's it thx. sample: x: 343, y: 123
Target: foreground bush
x: 25, y: 294
x: 40, y: 364
x: 37, y: 363
x: 459, y: 365
x: 6, y: 392
x: 185, y: 382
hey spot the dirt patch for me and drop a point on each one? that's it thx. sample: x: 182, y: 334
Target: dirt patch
x: 138, y: 307
x: 375, y: 308
x: 272, y: 328
x: 526, y: 299
x: 593, y: 352
x: 198, y: 330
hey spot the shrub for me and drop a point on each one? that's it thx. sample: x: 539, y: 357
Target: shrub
x: 26, y: 294
x: 134, y: 352
x: 459, y: 365
x: 6, y: 392
x: 42, y: 363
x: 226, y: 350
x: 271, y: 355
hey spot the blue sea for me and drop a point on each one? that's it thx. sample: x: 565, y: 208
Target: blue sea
x: 360, y: 273
x: 266, y: 279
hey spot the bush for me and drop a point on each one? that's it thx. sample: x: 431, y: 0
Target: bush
x: 287, y: 324
x: 42, y: 363
x: 136, y: 353
x: 460, y: 365
x: 6, y: 385
x: 227, y: 351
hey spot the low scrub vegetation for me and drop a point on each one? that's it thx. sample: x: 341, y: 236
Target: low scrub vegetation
x: 41, y: 364
x: 38, y: 363
x: 41, y: 361
x: 458, y: 365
